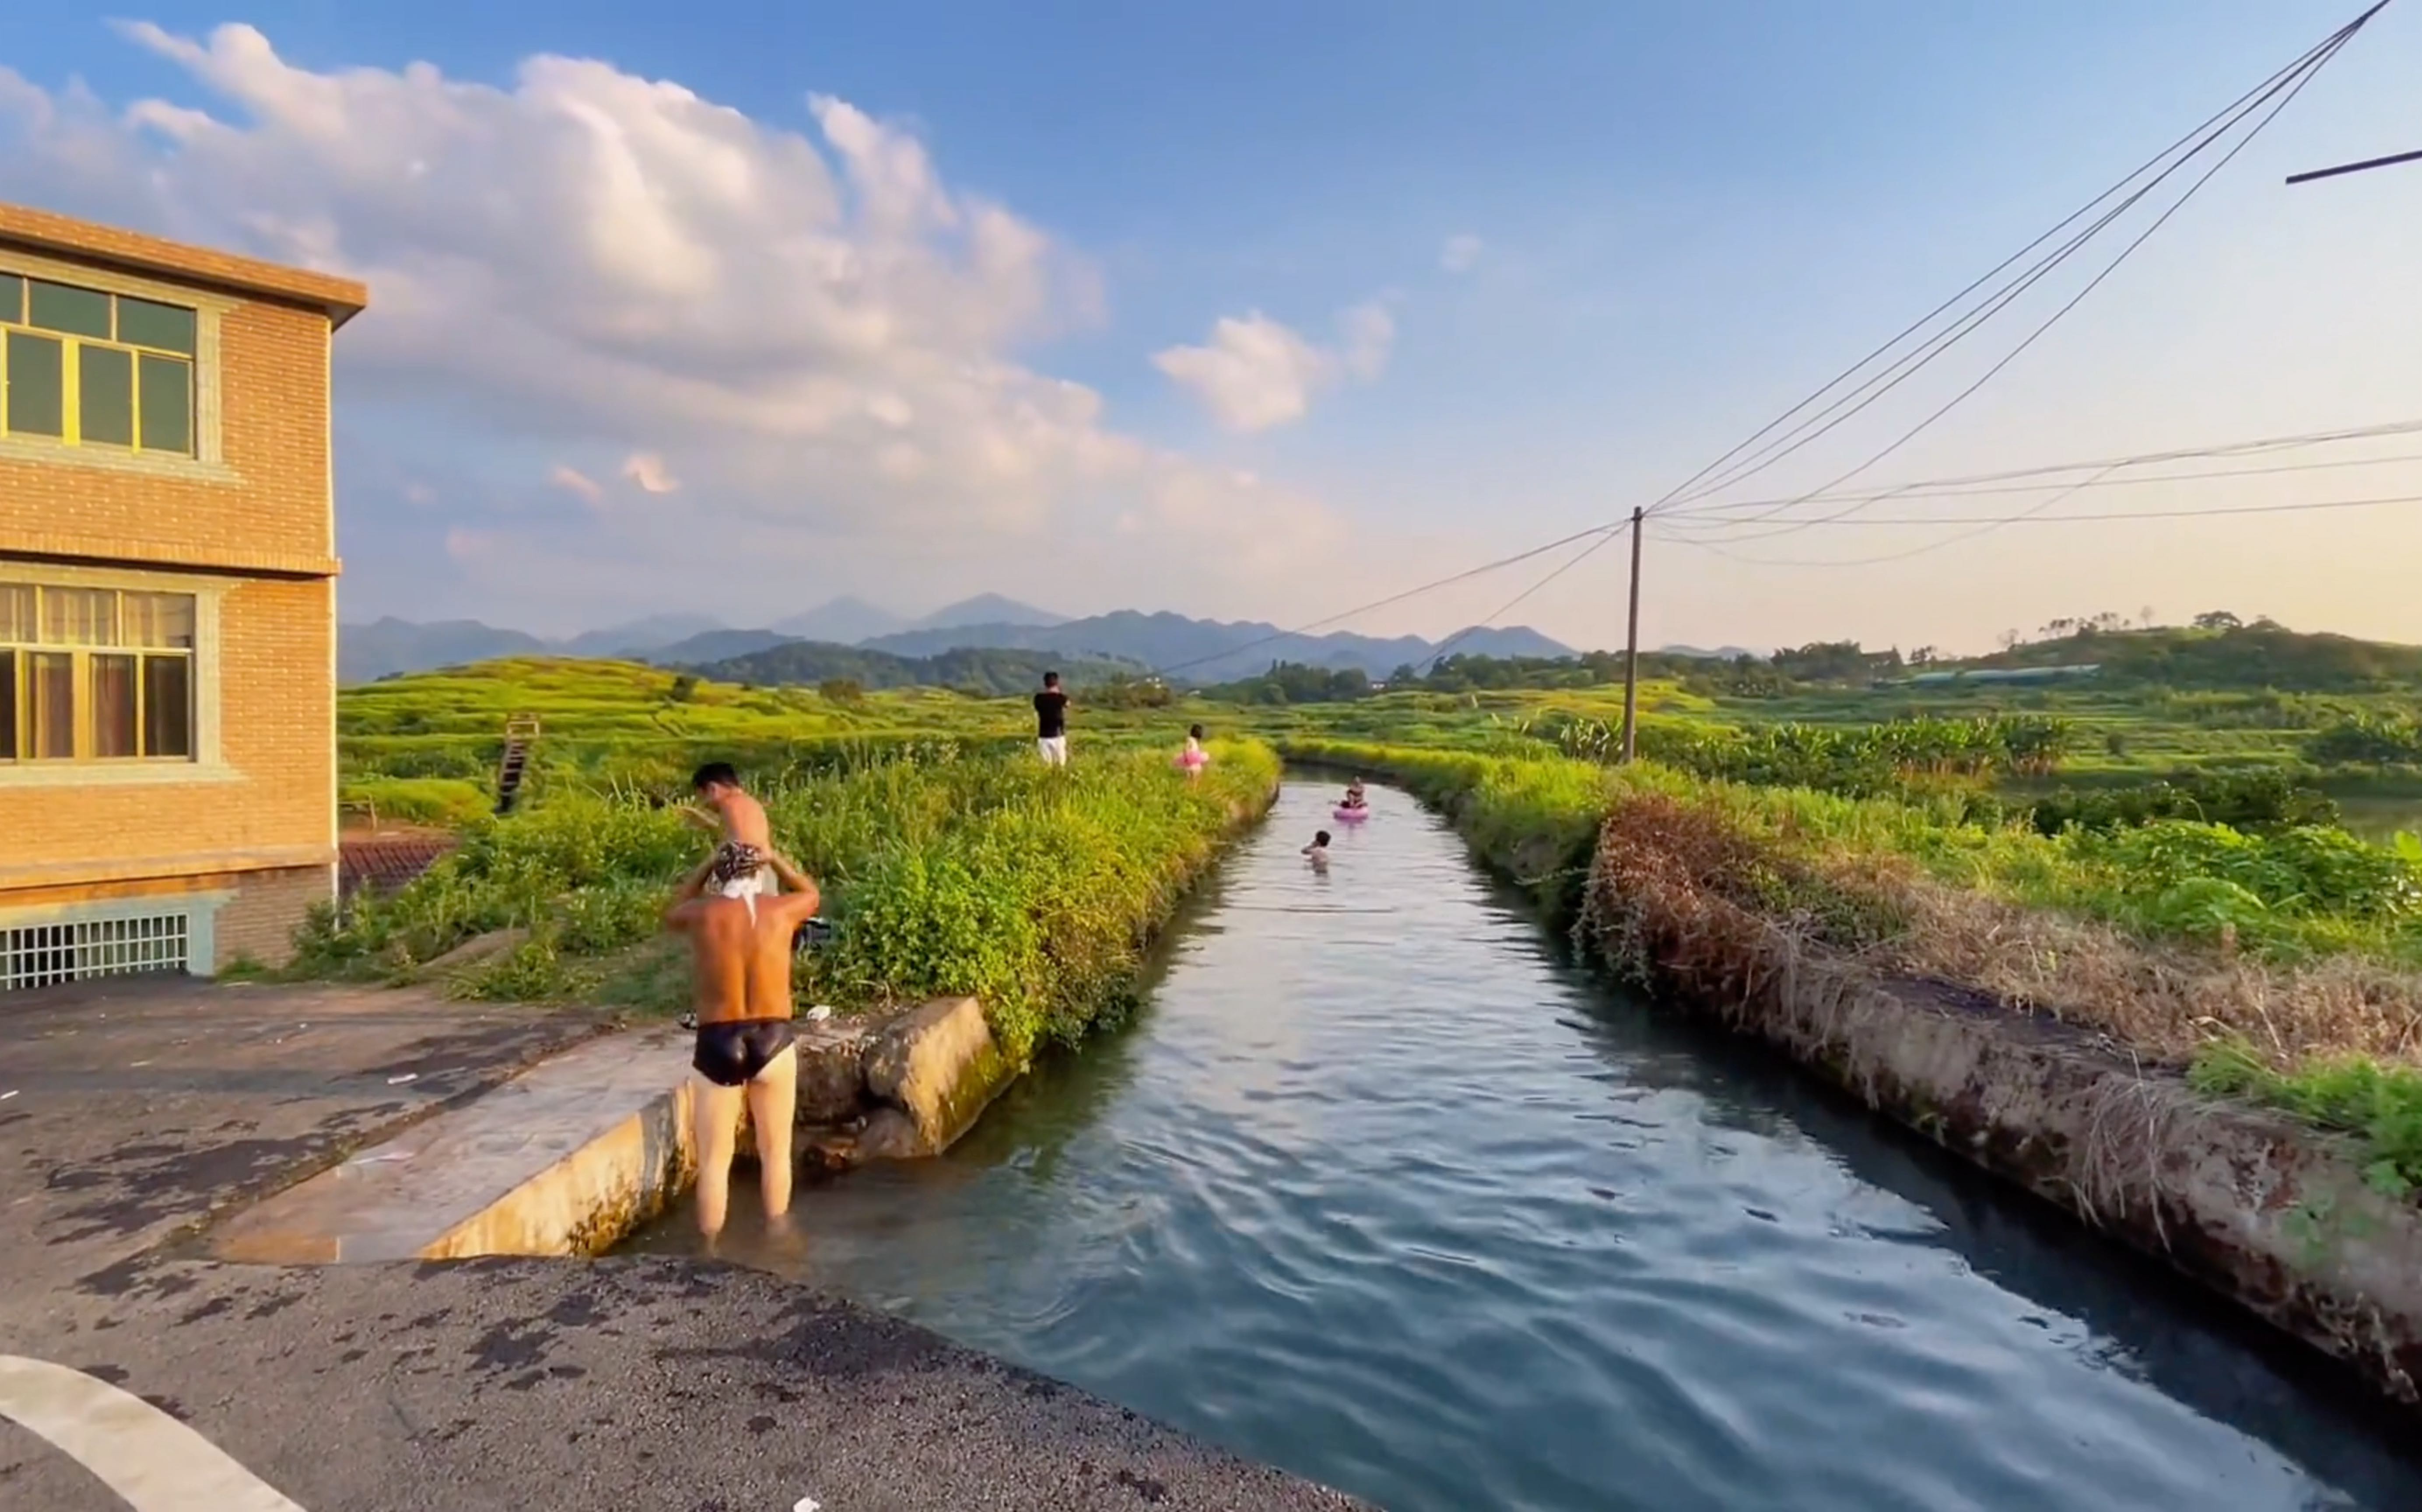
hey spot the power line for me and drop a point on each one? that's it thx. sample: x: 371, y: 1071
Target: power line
x: 2301, y: 71
x: 2390, y: 161
x: 1707, y: 516
x: 1994, y: 491
x: 1310, y: 625
x: 2308, y: 72
x: 2037, y: 517
x: 1800, y: 435
x: 1511, y: 605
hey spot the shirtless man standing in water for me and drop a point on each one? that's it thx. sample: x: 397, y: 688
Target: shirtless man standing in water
x: 740, y: 953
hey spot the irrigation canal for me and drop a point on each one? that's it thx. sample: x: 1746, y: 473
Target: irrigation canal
x: 1380, y: 1189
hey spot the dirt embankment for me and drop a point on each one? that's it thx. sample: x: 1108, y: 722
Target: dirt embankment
x: 2261, y: 1209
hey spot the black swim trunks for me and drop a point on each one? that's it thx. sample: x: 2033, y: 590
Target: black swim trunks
x: 732, y: 1053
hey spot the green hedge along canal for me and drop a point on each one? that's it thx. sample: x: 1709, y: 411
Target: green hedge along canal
x: 1377, y: 1189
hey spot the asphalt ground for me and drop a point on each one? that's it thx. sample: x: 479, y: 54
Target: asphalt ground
x: 133, y: 1115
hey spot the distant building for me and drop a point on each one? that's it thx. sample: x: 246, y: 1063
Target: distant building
x: 167, y: 602
x: 1996, y: 674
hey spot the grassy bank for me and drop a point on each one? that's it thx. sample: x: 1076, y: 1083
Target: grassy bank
x: 945, y: 872
x: 2285, y: 968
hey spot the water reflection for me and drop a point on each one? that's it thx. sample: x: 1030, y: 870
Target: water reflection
x: 1378, y: 1188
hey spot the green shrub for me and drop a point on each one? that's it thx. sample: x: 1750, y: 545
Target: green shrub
x: 2261, y: 801
x: 2382, y: 1105
x: 944, y: 874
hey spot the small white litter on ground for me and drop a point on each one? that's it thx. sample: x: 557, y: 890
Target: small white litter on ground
x: 818, y: 1013
x: 806, y: 1503
x: 408, y: 1076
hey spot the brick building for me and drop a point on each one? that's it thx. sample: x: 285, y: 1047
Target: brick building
x: 167, y: 602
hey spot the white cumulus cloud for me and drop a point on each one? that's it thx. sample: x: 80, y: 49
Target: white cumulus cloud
x: 1255, y: 373
x: 1461, y: 254
x: 648, y: 470
x: 571, y: 479
x: 820, y: 328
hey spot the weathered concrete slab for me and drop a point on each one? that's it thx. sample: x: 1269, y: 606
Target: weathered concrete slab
x: 538, y: 1385
x: 562, y: 1160
x: 144, y: 1106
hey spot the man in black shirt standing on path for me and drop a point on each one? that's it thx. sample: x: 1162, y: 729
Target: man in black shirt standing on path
x: 1052, y: 722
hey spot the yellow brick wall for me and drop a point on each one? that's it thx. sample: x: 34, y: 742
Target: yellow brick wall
x: 259, y: 920
x: 276, y: 704
x: 268, y: 502
x: 272, y: 399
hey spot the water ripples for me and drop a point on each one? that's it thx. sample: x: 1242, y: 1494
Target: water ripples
x: 1378, y: 1191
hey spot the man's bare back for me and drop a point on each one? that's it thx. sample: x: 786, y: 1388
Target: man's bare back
x: 740, y: 957
x: 741, y: 954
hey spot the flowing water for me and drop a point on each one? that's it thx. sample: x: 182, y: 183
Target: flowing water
x: 1380, y: 1189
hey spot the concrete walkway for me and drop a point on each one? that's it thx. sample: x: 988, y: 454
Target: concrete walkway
x: 146, y: 1115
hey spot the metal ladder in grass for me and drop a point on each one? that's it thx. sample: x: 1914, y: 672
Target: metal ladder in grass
x: 521, y: 733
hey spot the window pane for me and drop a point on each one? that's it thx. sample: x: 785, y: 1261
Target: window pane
x: 141, y: 323
x: 36, y: 392
x: 16, y: 611
x: 106, y: 396
x: 12, y: 298
x: 113, y: 705
x: 8, y: 705
x: 155, y: 620
x: 50, y: 688
x: 168, y: 706
x: 60, y: 307
x: 167, y: 404
x: 79, y: 617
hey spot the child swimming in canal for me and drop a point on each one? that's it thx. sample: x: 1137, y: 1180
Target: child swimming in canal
x: 1354, y: 798
x: 1317, y: 852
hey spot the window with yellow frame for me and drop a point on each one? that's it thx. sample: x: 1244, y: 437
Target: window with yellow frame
x: 90, y: 369
x: 95, y: 674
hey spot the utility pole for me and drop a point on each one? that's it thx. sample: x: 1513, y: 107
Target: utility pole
x: 1631, y: 655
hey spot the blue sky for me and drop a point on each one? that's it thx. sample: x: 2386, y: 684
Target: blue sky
x: 1685, y: 217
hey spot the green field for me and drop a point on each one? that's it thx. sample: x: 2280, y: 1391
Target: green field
x: 426, y: 745
x: 2204, y: 874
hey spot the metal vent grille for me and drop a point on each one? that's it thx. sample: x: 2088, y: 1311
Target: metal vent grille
x: 38, y: 955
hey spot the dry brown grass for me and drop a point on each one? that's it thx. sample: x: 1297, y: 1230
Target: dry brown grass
x: 1678, y: 896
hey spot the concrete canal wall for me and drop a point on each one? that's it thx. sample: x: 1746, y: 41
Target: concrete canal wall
x: 2267, y: 1212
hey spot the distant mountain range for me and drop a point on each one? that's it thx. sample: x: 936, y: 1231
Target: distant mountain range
x: 365, y: 652
x: 1190, y: 651
x: 1211, y: 650
x: 979, y: 670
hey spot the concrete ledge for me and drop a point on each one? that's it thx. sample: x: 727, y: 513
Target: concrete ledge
x: 563, y: 1159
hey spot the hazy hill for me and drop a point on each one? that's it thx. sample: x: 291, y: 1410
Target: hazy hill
x: 1195, y: 650
x: 637, y: 637
x: 715, y: 645
x: 844, y: 621
x: 365, y: 652
x: 986, y: 670
x: 1209, y: 651
x: 985, y: 609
